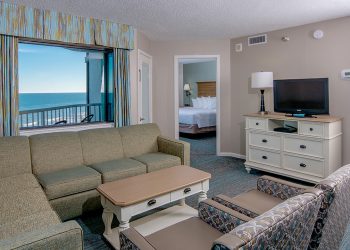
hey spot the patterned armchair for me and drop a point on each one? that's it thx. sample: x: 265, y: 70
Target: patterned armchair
x: 289, y: 224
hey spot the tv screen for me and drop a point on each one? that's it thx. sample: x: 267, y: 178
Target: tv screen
x: 304, y: 96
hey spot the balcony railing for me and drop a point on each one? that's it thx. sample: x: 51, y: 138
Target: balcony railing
x: 61, y: 115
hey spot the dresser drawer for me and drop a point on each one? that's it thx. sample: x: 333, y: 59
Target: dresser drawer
x: 265, y: 157
x: 150, y: 204
x: 303, y: 146
x: 264, y: 140
x: 304, y: 165
x: 311, y: 128
x: 186, y: 191
x: 257, y: 123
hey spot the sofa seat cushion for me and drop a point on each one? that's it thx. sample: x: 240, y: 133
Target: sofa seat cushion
x: 17, y: 183
x: 22, y: 203
x: 191, y: 234
x: 256, y: 201
x: 69, y: 181
x: 119, y: 169
x: 37, y: 221
x: 156, y: 161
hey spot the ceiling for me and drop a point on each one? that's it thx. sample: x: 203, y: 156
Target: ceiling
x: 201, y: 19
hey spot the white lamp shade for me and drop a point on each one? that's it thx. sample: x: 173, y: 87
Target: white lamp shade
x: 187, y: 87
x: 262, y: 80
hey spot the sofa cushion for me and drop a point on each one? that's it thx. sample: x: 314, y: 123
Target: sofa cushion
x: 14, y: 156
x: 192, y: 234
x: 119, y: 169
x: 31, y: 222
x: 17, y: 183
x: 22, y: 203
x: 101, y: 145
x: 55, y: 151
x: 256, y: 201
x: 69, y: 181
x: 156, y: 161
x: 139, y: 139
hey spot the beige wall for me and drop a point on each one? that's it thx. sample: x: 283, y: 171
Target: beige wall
x: 163, y: 82
x: 301, y: 57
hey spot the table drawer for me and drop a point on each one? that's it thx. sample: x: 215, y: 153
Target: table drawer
x: 305, y: 147
x: 264, y: 140
x: 186, y: 191
x: 304, y: 165
x: 311, y: 128
x: 257, y: 123
x: 150, y: 204
x: 265, y: 157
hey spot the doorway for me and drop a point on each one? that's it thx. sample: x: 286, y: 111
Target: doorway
x: 187, y: 94
x: 144, y: 87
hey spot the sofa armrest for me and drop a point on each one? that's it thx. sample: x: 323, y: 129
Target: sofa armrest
x: 220, y: 217
x: 228, y: 202
x: 130, y: 239
x: 175, y: 147
x: 279, y: 188
x: 67, y: 235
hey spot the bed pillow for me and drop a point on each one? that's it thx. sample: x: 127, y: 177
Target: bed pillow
x: 212, y: 103
x: 195, y: 103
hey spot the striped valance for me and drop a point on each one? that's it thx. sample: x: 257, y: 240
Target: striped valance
x: 22, y: 21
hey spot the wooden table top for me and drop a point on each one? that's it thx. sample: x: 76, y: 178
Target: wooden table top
x: 139, y: 188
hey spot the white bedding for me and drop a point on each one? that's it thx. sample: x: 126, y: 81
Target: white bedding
x: 197, y: 116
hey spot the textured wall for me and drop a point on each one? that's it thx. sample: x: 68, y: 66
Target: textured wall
x: 301, y: 57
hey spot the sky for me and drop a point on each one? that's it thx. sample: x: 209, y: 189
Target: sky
x: 50, y: 69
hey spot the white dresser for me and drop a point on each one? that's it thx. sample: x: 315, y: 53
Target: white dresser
x: 310, y: 154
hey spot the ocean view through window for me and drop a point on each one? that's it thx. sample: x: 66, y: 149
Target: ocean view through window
x: 61, y: 86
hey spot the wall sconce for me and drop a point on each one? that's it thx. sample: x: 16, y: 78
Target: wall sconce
x: 187, y: 89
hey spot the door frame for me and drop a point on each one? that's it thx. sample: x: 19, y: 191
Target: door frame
x: 139, y: 86
x: 177, y: 59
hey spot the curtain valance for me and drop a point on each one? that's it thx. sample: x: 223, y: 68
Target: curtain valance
x: 22, y: 21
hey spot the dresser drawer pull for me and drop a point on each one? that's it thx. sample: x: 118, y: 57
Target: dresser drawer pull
x: 187, y: 190
x: 257, y: 124
x: 151, y: 202
x: 303, y: 165
x: 302, y: 146
x: 311, y: 129
x: 264, y: 140
x: 264, y: 157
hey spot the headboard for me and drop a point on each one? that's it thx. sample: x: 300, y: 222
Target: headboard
x: 206, y: 88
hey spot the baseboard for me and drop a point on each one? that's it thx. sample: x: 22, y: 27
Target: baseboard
x: 239, y: 156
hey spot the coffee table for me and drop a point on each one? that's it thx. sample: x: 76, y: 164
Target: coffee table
x: 138, y: 194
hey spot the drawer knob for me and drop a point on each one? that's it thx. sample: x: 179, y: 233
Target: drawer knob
x: 187, y: 190
x: 151, y: 202
x: 264, y: 157
x: 302, y: 146
x: 264, y: 140
x: 303, y: 165
x: 257, y: 124
x: 311, y: 129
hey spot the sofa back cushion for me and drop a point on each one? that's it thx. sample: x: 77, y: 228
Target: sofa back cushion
x: 100, y: 145
x: 55, y: 151
x: 139, y: 139
x: 14, y: 156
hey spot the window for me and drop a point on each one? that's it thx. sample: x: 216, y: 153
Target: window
x: 61, y: 86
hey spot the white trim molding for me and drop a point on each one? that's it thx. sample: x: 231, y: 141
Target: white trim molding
x: 234, y: 155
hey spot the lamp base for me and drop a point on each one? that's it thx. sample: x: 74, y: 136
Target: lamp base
x: 263, y: 112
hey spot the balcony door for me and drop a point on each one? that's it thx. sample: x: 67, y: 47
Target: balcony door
x: 144, y: 87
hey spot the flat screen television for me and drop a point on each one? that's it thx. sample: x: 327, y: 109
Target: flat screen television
x: 301, y: 96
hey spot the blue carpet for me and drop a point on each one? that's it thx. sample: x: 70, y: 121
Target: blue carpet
x: 228, y: 177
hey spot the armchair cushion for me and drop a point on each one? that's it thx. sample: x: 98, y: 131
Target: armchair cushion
x: 119, y: 169
x: 69, y: 181
x: 17, y: 183
x: 279, y: 188
x: 175, y: 147
x: 156, y: 161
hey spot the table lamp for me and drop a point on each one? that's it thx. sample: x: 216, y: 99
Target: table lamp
x: 262, y: 81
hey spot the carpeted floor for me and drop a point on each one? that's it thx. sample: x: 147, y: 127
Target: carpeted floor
x: 228, y: 177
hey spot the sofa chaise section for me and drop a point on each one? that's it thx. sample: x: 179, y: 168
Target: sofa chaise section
x: 57, y: 162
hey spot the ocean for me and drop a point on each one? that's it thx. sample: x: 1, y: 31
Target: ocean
x: 29, y: 101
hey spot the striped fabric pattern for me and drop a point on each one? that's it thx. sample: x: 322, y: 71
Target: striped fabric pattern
x: 8, y: 85
x: 66, y: 28
x: 16, y: 20
x: 122, y: 86
x: 114, y: 35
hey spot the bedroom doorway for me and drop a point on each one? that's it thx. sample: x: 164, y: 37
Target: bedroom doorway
x: 197, y: 99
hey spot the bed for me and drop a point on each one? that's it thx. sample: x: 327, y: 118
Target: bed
x: 194, y: 120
